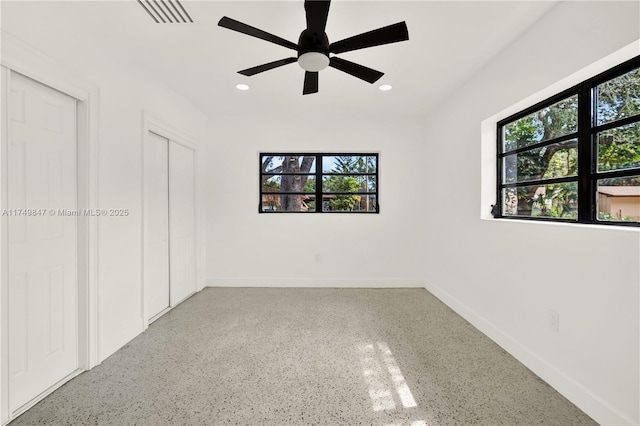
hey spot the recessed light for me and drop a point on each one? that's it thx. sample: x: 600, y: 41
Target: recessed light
x: 386, y: 87
x: 242, y: 87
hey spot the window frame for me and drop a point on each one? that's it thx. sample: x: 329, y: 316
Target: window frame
x: 318, y: 176
x: 586, y: 134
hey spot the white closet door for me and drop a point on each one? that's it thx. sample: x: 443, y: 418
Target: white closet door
x: 157, y: 225
x: 182, y: 215
x: 42, y: 269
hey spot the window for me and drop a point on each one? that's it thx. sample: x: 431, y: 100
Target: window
x: 575, y: 157
x: 318, y: 183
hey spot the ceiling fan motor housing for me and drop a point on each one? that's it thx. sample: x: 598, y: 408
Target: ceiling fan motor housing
x: 313, y: 50
x: 313, y: 42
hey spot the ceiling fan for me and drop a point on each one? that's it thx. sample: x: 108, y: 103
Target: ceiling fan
x: 314, y: 48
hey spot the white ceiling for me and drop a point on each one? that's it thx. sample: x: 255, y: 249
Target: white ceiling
x: 448, y: 42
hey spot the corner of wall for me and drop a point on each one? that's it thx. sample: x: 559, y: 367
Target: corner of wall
x: 577, y: 393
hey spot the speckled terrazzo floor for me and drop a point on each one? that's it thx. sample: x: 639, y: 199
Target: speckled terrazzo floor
x: 250, y: 356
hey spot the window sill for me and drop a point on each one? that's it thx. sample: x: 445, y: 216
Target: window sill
x: 598, y: 226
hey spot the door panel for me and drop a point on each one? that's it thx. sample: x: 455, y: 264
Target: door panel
x: 157, y: 225
x: 55, y: 191
x: 42, y: 278
x: 17, y: 176
x: 181, y: 221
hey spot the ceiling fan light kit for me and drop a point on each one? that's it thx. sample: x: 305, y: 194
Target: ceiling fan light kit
x: 314, y: 49
x: 313, y: 61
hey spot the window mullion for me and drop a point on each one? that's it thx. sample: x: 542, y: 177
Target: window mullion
x: 538, y: 145
x: 533, y: 182
x: 496, y: 210
x: 586, y: 197
x: 319, y: 200
x: 616, y: 123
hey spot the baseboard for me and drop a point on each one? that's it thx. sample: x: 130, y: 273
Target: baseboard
x: 118, y: 341
x: 594, y: 406
x: 17, y: 413
x: 316, y: 282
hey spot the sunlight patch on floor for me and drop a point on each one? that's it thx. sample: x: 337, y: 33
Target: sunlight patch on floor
x: 385, y: 381
x: 416, y: 423
x: 404, y: 393
x: 379, y: 392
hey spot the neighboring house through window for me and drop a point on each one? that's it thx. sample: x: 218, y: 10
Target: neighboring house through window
x: 576, y: 156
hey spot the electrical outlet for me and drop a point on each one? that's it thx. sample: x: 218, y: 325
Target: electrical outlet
x: 554, y: 320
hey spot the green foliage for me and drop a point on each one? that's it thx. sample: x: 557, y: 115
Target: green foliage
x: 551, y: 122
x: 618, y: 148
x: 562, y: 163
x: 357, y: 165
x: 520, y: 133
x: 559, y: 201
x: 621, y: 181
x: 619, y: 98
x: 271, y: 185
x: 358, y: 183
x: 310, y: 185
x: 354, y: 164
x: 612, y: 218
x: 342, y: 184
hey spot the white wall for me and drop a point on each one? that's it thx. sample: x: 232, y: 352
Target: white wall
x: 504, y: 276
x: 246, y: 248
x: 124, y: 96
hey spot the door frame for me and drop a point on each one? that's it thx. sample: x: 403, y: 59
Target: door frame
x: 18, y: 57
x: 160, y: 127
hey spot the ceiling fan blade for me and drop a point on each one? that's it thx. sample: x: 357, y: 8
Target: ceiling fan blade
x: 385, y: 35
x: 310, y: 83
x: 266, y: 67
x: 367, y: 74
x: 234, y: 25
x: 317, y: 12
